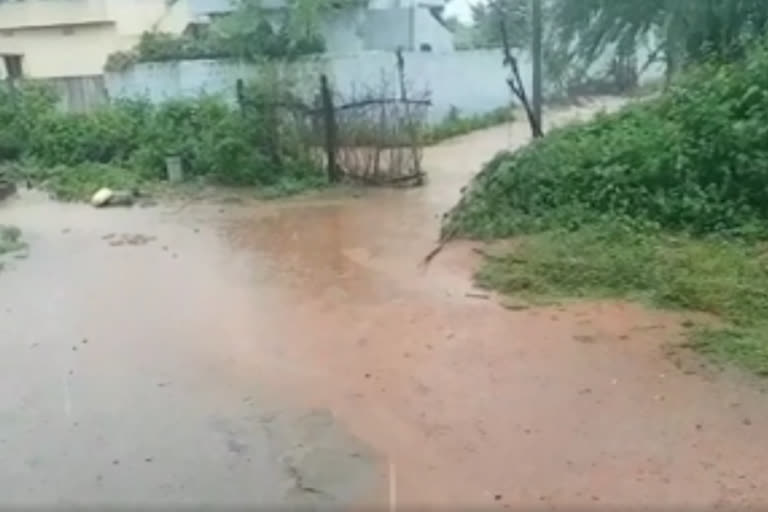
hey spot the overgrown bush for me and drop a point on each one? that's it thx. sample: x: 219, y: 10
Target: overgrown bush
x: 20, y: 109
x: 664, y: 201
x: 694, y: 160
x: 129, y: 141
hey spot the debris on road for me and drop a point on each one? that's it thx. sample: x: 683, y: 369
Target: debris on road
x: 108, y: 197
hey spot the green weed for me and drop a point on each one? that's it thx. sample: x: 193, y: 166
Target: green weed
x: 728, y: 279
x: 692, y: 160
x: 455, y: 124
x: 126, y: 144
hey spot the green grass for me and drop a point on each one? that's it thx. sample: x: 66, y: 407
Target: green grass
x: 78, y: 182
x: 454, y: 124
x: 728, y: 279
x: 292, y: 185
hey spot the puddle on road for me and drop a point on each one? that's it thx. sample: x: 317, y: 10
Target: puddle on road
x: 319, y: 305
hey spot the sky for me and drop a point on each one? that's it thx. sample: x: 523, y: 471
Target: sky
x: 460, y: 9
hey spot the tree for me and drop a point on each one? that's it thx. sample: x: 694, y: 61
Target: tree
x: 515, y: 13
x: 677, y: 31
x: 252, y: 31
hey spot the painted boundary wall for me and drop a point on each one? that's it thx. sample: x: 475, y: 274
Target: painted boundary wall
x: 474, y: 82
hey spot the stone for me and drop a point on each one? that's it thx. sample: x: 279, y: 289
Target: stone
x: 120, y: 198
x: 102, y: 197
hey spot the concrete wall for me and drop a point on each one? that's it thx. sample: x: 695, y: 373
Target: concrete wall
x: 80, y: 93
x: 472, y: 81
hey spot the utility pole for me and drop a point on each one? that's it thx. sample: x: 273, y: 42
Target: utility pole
x: 536, y: 55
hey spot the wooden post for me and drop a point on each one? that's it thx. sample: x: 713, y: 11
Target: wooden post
x: 536, y: 86
x: 240, y: 89
x: 329, y: 119
x: 401, y: 73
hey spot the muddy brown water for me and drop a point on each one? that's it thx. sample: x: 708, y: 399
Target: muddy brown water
x: 295, y: 353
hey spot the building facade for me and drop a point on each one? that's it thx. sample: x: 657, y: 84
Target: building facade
x: 411, y: 25
x: 62, y: 38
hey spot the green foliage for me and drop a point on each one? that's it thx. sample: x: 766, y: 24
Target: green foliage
x: 726, y: 279
x: 454, y: 124
x: 680, y: 30
x: 106, y: 135
x: 128, y: 142
x: 693, y: 160
x: 79, y: 182
x: 663, y: 201
x: 486, y: 17
x: 19, y: 110
x: 250, y: 32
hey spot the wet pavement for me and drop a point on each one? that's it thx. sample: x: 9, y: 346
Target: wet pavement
x: 296, y: 353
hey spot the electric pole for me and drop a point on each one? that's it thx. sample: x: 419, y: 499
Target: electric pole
x: 536, y: 55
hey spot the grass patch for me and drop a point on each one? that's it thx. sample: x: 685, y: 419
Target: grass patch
x: 292, y: 185
x: 80, y: 182
x: 725, y: 278
x: 455, y: 124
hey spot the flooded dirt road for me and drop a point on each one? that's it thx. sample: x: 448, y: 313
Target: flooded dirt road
x: 295, y: 353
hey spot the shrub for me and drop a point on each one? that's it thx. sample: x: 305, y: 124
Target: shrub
x: 214, y: 140
x: 107, y: 135
x: 693, y: 160
x: 19, y: 111
x: 80, y: 182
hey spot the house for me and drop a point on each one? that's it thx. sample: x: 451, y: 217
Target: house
x: 64, y: 38
x: 414, y: 25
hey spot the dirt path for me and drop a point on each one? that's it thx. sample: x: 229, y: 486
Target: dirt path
x: 296, y: 352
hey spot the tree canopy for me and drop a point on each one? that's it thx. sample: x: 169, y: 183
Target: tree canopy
x: 674, y: 31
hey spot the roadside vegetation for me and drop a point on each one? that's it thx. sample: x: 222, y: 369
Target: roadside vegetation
x: 125, y: 145
x: 664, y: 202
x: 456, y: 124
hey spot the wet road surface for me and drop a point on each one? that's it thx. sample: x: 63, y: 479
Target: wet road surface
x: 296, y: 353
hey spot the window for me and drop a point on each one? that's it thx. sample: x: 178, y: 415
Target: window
x: 425, y: 47
x: 68, y: 31
x: 13, y: 66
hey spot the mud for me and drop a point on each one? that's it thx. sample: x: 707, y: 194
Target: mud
x: 296, y: 353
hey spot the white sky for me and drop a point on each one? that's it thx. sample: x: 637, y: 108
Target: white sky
x: 460, y: 9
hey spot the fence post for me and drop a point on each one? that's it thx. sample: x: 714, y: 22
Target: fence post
x: 240, y: 91
x: 329, y: 118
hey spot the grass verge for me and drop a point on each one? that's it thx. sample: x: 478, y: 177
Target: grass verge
x: 454, y: 124
x: 728, y: 279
